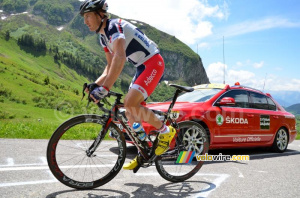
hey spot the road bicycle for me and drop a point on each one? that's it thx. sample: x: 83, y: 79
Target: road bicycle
x: 88, y: 151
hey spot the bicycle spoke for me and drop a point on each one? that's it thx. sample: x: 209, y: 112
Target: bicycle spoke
x: 72, y: 147
x: 67, y: 160
x: 182, y: 167
x: 71, y: 161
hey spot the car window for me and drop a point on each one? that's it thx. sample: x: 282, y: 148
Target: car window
x: 272, y: 105
x: 259, y: 101
x: 199, y: 95
x: 240, y: 96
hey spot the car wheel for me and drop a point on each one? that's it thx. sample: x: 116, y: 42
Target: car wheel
x: 280, y: 141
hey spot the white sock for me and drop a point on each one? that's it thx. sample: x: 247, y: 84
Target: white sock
x: 164, y: 129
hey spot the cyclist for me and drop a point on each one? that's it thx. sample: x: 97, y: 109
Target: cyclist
x: 123, y: 41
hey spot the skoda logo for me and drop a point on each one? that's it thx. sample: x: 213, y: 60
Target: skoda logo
x: 219, y: 119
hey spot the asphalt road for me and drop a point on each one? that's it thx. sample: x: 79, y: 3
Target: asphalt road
x: 24, y: 173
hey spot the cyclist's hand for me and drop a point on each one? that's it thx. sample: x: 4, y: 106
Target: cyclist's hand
x: 99, y: 93
x: 91, y: 87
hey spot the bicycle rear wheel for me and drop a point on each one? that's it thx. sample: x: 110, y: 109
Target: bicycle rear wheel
x: 180, y: 163
x: 71, y: 162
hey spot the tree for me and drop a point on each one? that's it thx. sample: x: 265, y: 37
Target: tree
x: 7, y: 35
x: 47, y: 80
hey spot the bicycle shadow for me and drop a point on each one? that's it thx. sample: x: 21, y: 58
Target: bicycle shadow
x: 169, y: 190
x: 92, y: 193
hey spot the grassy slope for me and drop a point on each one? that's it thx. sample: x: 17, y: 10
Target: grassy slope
x: 22, y: 81
x: 298, y: 127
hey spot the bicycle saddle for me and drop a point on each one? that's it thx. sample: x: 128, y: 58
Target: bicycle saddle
x: 182, y: 88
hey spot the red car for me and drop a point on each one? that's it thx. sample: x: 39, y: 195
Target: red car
x: 234, y: 116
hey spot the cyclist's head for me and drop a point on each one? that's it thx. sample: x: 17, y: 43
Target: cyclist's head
x: 99, y: 7
x: 94, y: 6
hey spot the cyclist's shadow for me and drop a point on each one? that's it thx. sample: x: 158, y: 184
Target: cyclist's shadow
x: 181, y: 189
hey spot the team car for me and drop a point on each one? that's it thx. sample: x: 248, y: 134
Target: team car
x: 233, y: 116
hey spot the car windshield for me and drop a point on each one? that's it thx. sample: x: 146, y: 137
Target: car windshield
x: 199, y: 95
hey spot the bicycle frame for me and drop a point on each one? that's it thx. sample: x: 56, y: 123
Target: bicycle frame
x: 115, y: 114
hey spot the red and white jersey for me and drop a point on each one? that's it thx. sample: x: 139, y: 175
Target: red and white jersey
x: 139, y: 48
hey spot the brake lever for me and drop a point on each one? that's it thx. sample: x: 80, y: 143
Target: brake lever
x: 83, y: 90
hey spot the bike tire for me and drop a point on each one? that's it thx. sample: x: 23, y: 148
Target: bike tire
x: 189, y: 133
x: 67, y: 157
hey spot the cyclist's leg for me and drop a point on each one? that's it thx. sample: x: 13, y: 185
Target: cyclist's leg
x: 133, y: 107
x: 137, y: 112
x: 142, y: 87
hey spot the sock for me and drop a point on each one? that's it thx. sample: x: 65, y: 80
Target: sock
x: 164, y: 129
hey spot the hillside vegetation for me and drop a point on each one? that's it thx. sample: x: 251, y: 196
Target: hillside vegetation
x: 295, y: 109
x: 37, y: 93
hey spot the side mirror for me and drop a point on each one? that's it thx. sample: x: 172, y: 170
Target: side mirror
x: 227, y: 101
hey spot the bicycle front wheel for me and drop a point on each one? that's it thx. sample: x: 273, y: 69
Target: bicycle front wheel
x: 69, y: 157
x: 180, y: 163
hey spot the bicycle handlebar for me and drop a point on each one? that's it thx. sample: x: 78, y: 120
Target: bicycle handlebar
x: 99, y: 104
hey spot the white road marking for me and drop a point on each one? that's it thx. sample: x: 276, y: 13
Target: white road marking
x: 217, y: 182
x: 20, y: 165
x: 44, y: 160
x: 46, y: 167
x: 10, y: 162
x: 27, y: 183
x: 262, y: 171
x: 51, y: 175
x: 239, y: 172
x: 23, y: 168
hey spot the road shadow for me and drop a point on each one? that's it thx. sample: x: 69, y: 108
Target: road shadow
x: 91, y: 193
x: 169, y: 190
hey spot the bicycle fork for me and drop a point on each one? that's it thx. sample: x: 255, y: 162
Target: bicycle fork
x: 99, y: 138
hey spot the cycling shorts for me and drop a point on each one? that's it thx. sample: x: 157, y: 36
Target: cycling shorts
x: 148, y: 75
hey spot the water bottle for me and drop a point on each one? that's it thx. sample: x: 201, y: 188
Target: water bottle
x: 138, y: 128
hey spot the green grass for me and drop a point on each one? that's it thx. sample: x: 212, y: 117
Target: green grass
x: 29, y: 108
x: 298, y: 127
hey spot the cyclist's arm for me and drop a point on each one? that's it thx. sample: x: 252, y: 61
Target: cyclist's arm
x: 117, y: 63
x: 102, y: 78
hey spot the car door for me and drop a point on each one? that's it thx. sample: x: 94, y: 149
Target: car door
x: 234, y: 123
x: 264, y: 118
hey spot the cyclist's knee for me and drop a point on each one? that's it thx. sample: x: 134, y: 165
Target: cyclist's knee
x: 131, y: 101
x: 130, y: 106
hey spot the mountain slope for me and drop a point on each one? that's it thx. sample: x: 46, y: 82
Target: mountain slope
x: 295, y: 109
x: 41, y: 89
x: 181, y: 62
x: 36, y: 92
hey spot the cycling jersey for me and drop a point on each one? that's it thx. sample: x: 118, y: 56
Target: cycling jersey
x: 139, y: 48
